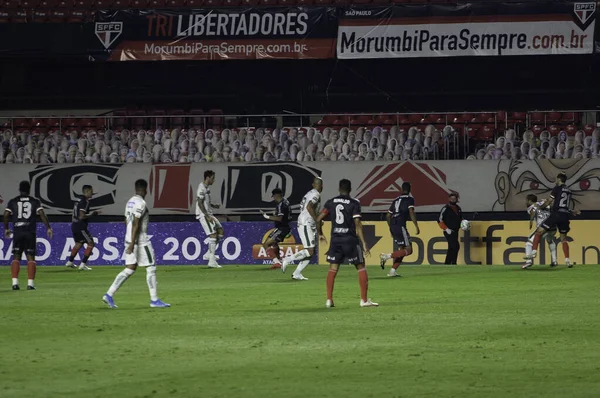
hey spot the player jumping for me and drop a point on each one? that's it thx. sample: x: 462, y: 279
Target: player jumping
x: 79, y: 227
x: 282, y: 226
x: 539, y: 214
x: 204, y: 213
x: 401, y: 209
x: 307, y: 229
x: 138, y: 248
x: 22, y: 212
x: 347, y: 241
x: 560, y: 202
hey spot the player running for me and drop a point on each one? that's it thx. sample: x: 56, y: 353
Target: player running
x: 138, y: 248
x: 282, y: 226
x: 347, y: 241
x: 539, y: 214
x: 22, y: 211
x: 402, y: 208
x: 79, y: 227
x: 560, y: 203
x: 204, y: 213
x: 307, y: 229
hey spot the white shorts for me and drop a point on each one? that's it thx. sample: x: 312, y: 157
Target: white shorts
x: 308, y: 235
x: 210, y: 225
x: 143, y: 256
x: 547, y: 236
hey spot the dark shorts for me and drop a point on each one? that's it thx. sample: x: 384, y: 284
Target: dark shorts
x: 24, y: 242
x: 559, y: 221
x: 345, y: 252
x: 82, y: 235
x: 279, y: 234
x: 400, y: 235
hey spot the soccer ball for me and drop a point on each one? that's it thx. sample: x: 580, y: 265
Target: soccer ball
x: 465, y: 225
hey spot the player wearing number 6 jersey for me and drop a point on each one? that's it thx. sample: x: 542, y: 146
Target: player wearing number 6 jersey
x: 560, y: 203
x: 138, y: 248
x: 204, y: 213
x: 347, y: 241
x: 22, y: 211
x: 402, y: 208
x: 307, y: 229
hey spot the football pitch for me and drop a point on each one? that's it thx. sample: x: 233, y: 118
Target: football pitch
x: 482, y: 331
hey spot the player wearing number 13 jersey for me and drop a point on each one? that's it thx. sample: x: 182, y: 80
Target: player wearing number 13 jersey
x: 22, y: 211
x: 560, y: 203
x: 347, y: 240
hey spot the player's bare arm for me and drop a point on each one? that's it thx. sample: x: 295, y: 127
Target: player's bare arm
x: 359, y: 232
x: 46, y: 222
x: 277, y: 218
x: 413, y: 217
x: 388, y: 218
x: 84, y: 216
x: 135, y: 231
x: 320, y: 219
x: 215, y: 206
x: 7, y: 231
x: 311, y: 210
x: 531, y: 218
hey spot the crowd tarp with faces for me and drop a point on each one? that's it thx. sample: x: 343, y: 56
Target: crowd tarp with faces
x: 214, y: 34
x: 245, y: 188
x: 473, y: 29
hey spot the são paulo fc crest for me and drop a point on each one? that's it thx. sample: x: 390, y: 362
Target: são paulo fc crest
x: 584, y: 14
x: 108, y: 32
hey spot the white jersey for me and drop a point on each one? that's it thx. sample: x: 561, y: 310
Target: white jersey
x: 539, y: 214
x: 204, y: 196
x: 313, y: 197
x: 136, y: 208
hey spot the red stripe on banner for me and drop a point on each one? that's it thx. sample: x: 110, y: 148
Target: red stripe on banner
x: 457, y: 19
x: 225, y: 49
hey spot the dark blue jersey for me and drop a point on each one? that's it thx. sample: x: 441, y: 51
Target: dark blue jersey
x: 342, y: 211
x: 23, y: 211
x: 400, y: 209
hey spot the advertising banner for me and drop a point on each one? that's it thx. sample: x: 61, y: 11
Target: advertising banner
x: 245, y: 188
x: 476, y: 29
x: 487, y: 243
x: 214, y: 34
x: 174, y: 244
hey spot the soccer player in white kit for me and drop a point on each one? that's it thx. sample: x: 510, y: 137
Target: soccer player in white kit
x: 204, y: 213
x: 307, y: 229
x: 539, y: 215
x: 138, y: 248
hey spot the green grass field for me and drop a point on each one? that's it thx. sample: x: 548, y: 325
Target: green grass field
x: 250, y: 332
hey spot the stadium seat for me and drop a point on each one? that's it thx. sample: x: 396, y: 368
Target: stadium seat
x: 554, y: 130
x: 122, y: 4
x: 77, y: 16
x: 29, y: 4
x: 20, y: 16
x: 232, y: 3
x: 195, y: 3
x: 517, y: 117
x: 571, y: 129
x: 323, y: 2
x: 48, y: 4
x: 268, y: 2
x: 58, y: 16
x: 537, y: 117
x: 213, y: 3
x: 157, y: 4
x: 537, y: 130
x: 84, y: 4
x: 197, y: 118
x: 40, y: 15
x: 286, y: 2
x: 12, y: 4
x: 589, y: 129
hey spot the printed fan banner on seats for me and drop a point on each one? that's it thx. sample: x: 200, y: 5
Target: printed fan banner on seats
x: 483, y: 29
x: 214, y: 34
x: 245, y: 188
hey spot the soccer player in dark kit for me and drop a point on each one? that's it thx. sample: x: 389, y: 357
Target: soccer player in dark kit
x: 79, y: 227
x: 347, y: 241
x: 22, y: 211
x: 560, y: 204
x: 449, y: 221
x: 282, y: 226
x: 401, y: 210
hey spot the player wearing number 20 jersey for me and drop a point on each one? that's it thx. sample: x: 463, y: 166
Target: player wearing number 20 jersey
x: 347, y: 240
x: 560, y: 202
x: 22, y: 211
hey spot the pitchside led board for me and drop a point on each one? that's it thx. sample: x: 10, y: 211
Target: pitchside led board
x: 184, y: 243
x: 487, y: 243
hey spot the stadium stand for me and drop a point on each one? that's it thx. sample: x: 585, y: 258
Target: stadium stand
x: 195, y: 136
